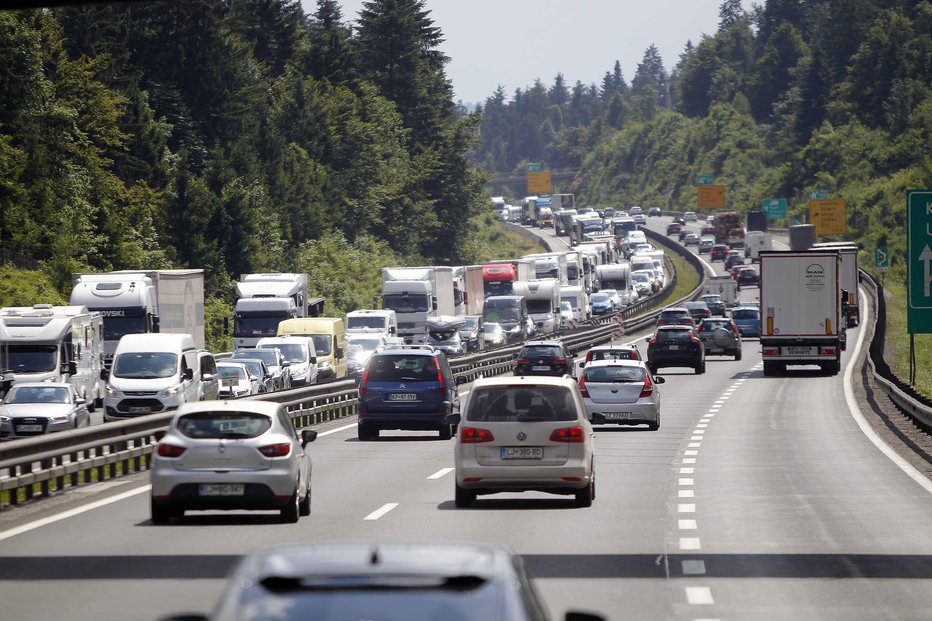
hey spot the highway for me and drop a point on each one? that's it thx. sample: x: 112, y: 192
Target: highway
x: 759, y: 498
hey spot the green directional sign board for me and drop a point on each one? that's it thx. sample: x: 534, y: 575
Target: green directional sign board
x: 775, y: 208
x: 533, y: 167
x: 818, y: 195
x: 919, y: 261
x: 882, y: 258
x: 705, y: 179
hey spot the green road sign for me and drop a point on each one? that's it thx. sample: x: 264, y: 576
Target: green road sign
x: 919, y: 261
x: 775, y: 208
x: 882, y: 258
x: 533, y: 167
x: 705, y: 179
x: 818, y: 195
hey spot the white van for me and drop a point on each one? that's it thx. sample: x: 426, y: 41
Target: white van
x: 300, y: 352
x: 372, y: 320
x: 151, y: 373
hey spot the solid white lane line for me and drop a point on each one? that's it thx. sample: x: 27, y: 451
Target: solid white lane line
x: 699, y: 595
x: 25, y: 528
x: 690, y: 543
x: 687, y: 470
x: 440, y: 473
x: 686, y: 508
x: 337, y: 430
x: 381, y: 511
x: 688, y: 525
x: 686, y: 482
x: 686, y: 493
x: 693, y: 568
x: 866, y: 429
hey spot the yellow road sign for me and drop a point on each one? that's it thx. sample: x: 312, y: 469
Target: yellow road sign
x: 539, y: 183
x: 711, y: 196
x: 829, y: 216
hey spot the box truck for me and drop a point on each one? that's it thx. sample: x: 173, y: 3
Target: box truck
x: 543, y: 303
x: 265, y: 300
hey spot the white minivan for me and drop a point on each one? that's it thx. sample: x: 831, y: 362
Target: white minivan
x: 300, y: 352
x: 151, y: 373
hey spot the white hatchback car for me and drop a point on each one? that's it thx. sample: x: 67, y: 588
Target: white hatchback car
x: 621, y: 392
x: 524, y: 434
x: 231, y: 455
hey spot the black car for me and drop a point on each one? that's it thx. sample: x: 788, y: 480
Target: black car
x: 715, y: 303
x: 544, y: 358
x: 683, y: 233
x: 676, y: 316
x: 748, y: 276
x: 718, y: 252
x: 675, y: 346
x: 732, y: 259
x: 407, y: 387
x: 674, y: 227
x: 654, y: 211
x: 698, y: 310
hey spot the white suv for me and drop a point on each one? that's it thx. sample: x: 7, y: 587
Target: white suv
x: 299, y: 352
x: 689, y: 216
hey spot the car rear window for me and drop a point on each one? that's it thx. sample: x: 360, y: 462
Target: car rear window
x: 618, y: 354
x: 521, y: 403
x: 225, y: 425
x: 746, y: 313
x: 402, y: 368
x: 668, y: 336
x: 541, y: 351
x: 612, y: 374
x: 711, y: 326
x: 674, y: 314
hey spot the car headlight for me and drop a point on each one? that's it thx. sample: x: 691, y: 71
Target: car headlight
x: 61, y: 418
x: 516, y: 329
x: 4, y: 418
x: 112, y: 392
x: 49, y: 380
x: 171, y: 392
x: 324, y: 366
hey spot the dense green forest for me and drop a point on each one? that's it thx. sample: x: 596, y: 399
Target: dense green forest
x: 232, y: 135
x: 793, y: 96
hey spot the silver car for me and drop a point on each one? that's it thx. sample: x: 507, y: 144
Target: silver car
x: 622, y: 392
x: 35, y: 408
x: 236, y: 380
x: 231, y: 455
x: 524, y: 434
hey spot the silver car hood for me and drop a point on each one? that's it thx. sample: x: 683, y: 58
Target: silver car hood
x: 26, y: 410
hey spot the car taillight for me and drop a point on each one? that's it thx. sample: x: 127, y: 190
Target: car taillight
x: 568, y: 434
x: 559, y: 361
x: 522, y: 361
x: 734, y: 328
x: 582, y: 387
x: 695, y: 339
x: 362, y: 383
x: 769, y: 351
x: 170, y: 450
x: 474, y: 435
x: 648, y: 388
x: 443, y: 388
x: 276, y: 450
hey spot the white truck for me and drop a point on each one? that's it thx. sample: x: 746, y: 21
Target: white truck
x: 550, y: 265
x: 45, y: 343
x: 617, y: 276
x: 265, y: 300
x: 579, y: 300
x: 801, y: 310
x: 416, y: 294
x: 574, y: 269
x: 372, y: 321
x: 725, y: 286
x: 143, y: 301
x: 755, y: 242
x: 475, y: 289
x: 543, y: 303
x: 849, y: 277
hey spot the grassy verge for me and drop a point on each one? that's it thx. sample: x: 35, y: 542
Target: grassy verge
x: 491, y: 241
x: 896, y: 347
x: 686, y: 277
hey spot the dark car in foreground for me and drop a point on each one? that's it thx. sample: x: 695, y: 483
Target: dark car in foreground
x: 390, y: 580
x: 407, y: 387
x: 718, y: 252
x: 748, y: 277
x: 544, y: 358
x: 675, y: 346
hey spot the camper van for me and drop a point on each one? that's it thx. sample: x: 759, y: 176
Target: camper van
x: 329, y: 337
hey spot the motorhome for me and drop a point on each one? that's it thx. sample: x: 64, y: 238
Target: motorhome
x: 45, y: 343
x: 579, y: 300
x: 543, y: 303
x: 617, y: 276
x: 511, y: 313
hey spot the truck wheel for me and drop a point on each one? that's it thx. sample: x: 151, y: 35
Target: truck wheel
x: 770, y: 369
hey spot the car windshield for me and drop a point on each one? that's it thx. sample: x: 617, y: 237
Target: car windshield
x: 612, y: 374
x: 443, y: 336
x: 322, y: 343
x: 405, y: 303
x: 402, y: 368
x: 38, y: 394
x: 521, y: 403
x: 491, y: 328
x: 600, y: 298
x: 368, y: 343
x: 145, y: 365
x: 612, y: 354
x: 231, y: 372
x: 365, y: 321
x: 254, y: 366
x: 677, y: 336
x: 30, y: 358
x: 292, y: 352
x: 215, y: 425
x: 266, y: 355
x: 711, y: 326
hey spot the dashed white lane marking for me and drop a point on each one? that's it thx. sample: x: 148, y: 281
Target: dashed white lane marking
x: 690, y: 543
x: 689, y: 460
x: 703, y: 425
x: 686, y: 493
x: 687, y: 470
x: 337, y: 430
x: 694, y: 445
x: 685, y: 482
x: 381, y: 511
x: 688, y: 525
x: 693, y: 568
x: 699, y: 595
x: 699, y: 438
x: 699, y: 431
x: 25, y: 528
x: 686, y: 508
x: 692, y: 452
x: 440, y: 473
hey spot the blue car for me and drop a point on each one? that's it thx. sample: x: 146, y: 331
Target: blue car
x: 407, y: 387
x: 747, y: 318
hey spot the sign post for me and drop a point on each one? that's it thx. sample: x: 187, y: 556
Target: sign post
x: 919, y: 261
x: 828, y: 216
x: 774, y: 207
x: 539, y: 183
x: 711, y: 196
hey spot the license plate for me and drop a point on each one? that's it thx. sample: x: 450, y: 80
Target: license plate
x: 228, y: 382
x: 714, y: 350
x: 617, y: 415
x: 29, y: 428
x: 522, y: 452
x: 220, y: 489
x: 673, y: 347
x: 800, y: 351
x: 540, y: 368
x: 140, y: 409
x: 402, y: 396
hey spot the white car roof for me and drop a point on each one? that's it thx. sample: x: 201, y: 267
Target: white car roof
x: 625, y: 362
x: 268, y: 408
x: 521, y: 380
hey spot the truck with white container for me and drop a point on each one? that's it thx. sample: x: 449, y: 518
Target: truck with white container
x: 143, y: 301
x: 416, y: 294
x: 848, y: 252
x: 265, y: 300
x: 724, y: 286
x: 498, y: 277
x: 474, y: 294
x: 543, y: 303
x: 45, y: 343
x: 550, y: 265
x: 801, y: 310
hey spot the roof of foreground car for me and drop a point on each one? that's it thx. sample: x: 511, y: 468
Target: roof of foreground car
x: 258, y: 406
x: 620, y: 362
x: 518, y: 380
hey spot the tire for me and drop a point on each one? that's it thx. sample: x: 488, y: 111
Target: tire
x: 304, y: 507
x: 464, y: 498
x: 738, y: 355
x: 831, y: 368
x: 366, y: 433
x: 700, y: 369
x: 770, y: 369
x: 652, y: 369
x: 289, y: 513
x: 656, y: 425
x: 446, y: 432
x: 584, y: 497
x: 160, y: 514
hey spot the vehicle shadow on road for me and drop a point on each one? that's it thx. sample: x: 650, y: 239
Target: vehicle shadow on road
x: 388, y: 439
x: 619, y: 428
x: 490, y: 503
x: 213, y: 519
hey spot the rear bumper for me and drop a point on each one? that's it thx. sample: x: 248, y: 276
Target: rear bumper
x: 636, y: 413
x: 256, y: 496
x: 551, y: 479
x: 403, y: 421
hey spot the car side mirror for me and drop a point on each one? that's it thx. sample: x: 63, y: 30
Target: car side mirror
x: 253, y: 378
x: 460, y: 379
x: 452, y: 419
x: 189, y: 374
x: 338, y: 352
x: 80, y: 401
x: 286, y: 363
x: 313, y: 359
x: 597, y: 418
x: 659, y: 380
x: 104, y: 374
x: 308, y: 435
x: 206, y: 377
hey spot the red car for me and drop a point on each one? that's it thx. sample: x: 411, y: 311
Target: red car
x: 673, y: 227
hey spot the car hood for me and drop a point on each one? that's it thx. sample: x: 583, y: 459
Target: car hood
x: 21, y: 410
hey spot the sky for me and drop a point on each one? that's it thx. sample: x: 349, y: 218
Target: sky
x: 513, y: 42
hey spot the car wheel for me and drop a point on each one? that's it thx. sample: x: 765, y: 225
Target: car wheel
x: 160, y: 514
x: 464, y: 497
x: 304, y: 507
x: 654, y: 426
x: 289, y: 513
x: 652, y: 369
x: 366, y: 433
x: 700, y: 368
x: 738, y: 355
x: 446, y: 432
x: 584, y: 497
x: 770, y: 369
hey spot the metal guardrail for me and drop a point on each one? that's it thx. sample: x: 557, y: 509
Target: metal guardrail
x: 58, y: 462
x: 883, y: 375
